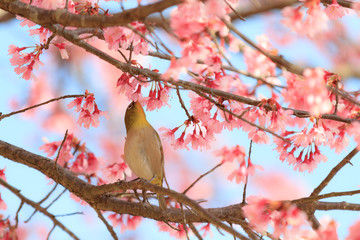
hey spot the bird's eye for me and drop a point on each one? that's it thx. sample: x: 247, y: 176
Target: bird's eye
x: 131, y: 105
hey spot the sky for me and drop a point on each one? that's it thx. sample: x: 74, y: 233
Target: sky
x: 22, y: 131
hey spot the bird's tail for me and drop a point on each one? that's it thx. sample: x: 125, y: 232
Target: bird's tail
x: 158, y: 181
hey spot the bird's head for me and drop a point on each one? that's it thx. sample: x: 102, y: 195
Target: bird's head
x: 134, y: 115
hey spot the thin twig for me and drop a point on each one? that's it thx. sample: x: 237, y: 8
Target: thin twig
x: 241, y: 118
x: 247, y: 175
x: 56, y: 198
x: 52, y: 229
x: 69, y: 214
x: 234, y: 11
x: 17, y: 214
x: 38, y: 207
x: 201, y: 176
x: 333, y: 172
x: 48, y: 195
x: 108, y: 226
x: 40, y: 104
x: 62, y: 143
x: 184, y: 221
x: 326, y: 195
x: 182, y: 102
x: 195, y: 231
x: 278, y: 60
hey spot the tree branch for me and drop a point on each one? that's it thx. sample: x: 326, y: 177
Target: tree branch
x: 333, y: 172
x: 37, y: 207
x: 61, y: 16
x: 94, y: 195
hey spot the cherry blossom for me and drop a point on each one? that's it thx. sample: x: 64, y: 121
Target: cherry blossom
x: 3, y: 205
x: 2, y: 174
x: 257, y: 63
x: 25, y: 62
x: 302, y: 150
x: 229, y: 155
x: 85, y: 163
x: 354, y: 232
x: 124, y: 38
x: 65, y: 153
x: 89, y: 111
x: 335, y: 11
x: 284, y: 218
x: 309, y: 93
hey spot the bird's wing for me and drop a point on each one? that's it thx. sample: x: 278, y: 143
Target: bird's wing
x: 154, y: 152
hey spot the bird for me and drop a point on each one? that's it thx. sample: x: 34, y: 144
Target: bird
x: 143, y: 151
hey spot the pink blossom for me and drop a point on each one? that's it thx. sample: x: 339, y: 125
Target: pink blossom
x: 77, y: 102
x: 229, y: 155
x: 180, y: 142
x: 25, y: 62
x: 131, y: 223
x: 293, y: 18
x: 206, y: 229
x: 356, y: 7
x: 117, y: 171
x: 89, y: 102
x: 50, y: 148
x: 354, y: 233
x: 243, y: 171
x: 257, y: 63
x: 61, y: 46
x: 175, y: 69
x: 257, y: 212
x: 259, y: 136
x: 188, y: 19
x: 168, y: 134
x: 284, y: 218
x: 316, y: 21
x: 65, y: 154
x: 89, y: 111
x: 239, y: 174
x: 305, y: 145
x: 2, y: 174
x: 3, y: 205
x: 310, y: 93
x: 335, y: 11
x: 180, y: 234
x: 158, y: 97
x: 85, y: 163
x: 327, y: 229
x: 116, y: 219
x: 197, y: 140
x: 123, y: 37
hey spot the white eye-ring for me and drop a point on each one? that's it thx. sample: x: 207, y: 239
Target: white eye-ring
x: 131, y: 105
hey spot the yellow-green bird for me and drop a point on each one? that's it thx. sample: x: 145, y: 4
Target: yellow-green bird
x: 143, y: 150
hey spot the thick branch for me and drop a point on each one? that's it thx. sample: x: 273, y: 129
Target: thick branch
x: 94, y: 194
x: 325, y: 206
x: 46, y: 17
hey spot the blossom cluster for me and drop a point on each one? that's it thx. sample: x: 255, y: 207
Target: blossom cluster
x: 316, y: 19
x: 286, y: 220
x: 89, y: 111
x: 245, y: 167
x: 131, y: 87
x: 85, y: 161
x: 127, y: 38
